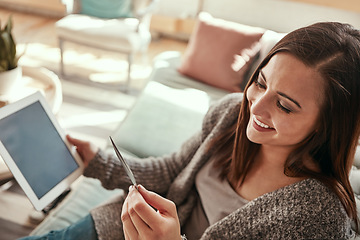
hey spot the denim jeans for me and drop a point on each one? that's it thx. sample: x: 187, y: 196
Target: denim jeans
x: 84, y: 229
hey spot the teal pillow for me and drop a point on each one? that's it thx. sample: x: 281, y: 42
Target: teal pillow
x: 106, y: 8
x: 162, y: 119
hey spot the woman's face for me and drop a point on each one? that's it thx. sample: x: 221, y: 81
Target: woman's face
x: 284, y: 102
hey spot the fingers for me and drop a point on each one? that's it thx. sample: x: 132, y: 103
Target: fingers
x: 76, y: 142
x: 71, y: 139
x: 133, y: 224
x: 163, y: 205
x: 140, y: 211
x: 143, y: 207
x: 86, y: 150
x: 129, y: 229
x: 140, y: 220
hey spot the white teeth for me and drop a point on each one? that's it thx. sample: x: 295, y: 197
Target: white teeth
x: 263, y: 125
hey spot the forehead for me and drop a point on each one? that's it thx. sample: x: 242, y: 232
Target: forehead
x: 287, y: 74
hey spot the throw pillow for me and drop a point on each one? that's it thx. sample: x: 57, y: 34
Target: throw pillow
x: 219, y: 52
x: 106, y: 8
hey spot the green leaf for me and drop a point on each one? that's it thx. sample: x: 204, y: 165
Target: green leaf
x: 9, y: 25
x: 8, y: 58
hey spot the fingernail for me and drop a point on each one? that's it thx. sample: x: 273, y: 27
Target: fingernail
x: 130, y: 187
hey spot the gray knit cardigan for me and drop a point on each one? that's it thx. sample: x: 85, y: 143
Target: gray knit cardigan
x: 304, y: 210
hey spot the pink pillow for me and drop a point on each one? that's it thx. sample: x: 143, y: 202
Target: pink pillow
x: 219, y: 52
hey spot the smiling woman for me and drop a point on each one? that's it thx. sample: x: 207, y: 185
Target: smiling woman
x: 273, y: 164
x: 287, y: 120
x: 273, y: 105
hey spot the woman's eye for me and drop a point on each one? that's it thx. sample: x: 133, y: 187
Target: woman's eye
x: 286, y: 110
x: 258, y: 84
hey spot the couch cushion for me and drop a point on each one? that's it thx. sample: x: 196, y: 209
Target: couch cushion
x: 161, y: 120
x: 219, y: 52
x: 106, y: 8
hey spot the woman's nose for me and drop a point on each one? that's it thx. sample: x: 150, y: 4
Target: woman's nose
x: 260, y: 104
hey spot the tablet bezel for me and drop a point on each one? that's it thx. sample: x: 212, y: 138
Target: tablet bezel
x: 59, y: 188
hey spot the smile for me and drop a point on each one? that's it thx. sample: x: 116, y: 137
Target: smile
x: 261, y: 124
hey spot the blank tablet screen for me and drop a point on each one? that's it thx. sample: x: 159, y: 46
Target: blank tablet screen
x: 37, y: 148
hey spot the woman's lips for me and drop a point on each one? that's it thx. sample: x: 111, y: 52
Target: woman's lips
x: 260, y: 126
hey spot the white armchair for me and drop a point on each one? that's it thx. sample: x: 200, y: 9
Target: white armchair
x: 112, y: 25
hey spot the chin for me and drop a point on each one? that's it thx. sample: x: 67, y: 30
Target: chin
x: 253, y: 137
x: 257, y: 141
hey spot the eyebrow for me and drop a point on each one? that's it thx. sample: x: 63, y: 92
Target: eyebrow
x: 281, y: 93
x: 286, y: 96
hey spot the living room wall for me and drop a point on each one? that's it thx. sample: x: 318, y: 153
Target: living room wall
x: 177, y: 17
x: 351, y: 5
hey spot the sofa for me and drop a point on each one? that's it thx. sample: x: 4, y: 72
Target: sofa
x: 172, y: 106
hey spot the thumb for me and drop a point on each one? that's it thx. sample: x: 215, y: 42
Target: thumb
x: 74, y: 141
x: 86, y: 150
x: 162, y: 204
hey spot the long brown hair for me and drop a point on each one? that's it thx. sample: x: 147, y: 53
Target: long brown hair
x: 333, y: 50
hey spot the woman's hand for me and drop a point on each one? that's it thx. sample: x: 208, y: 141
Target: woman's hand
x: 86, y: 150
x: 141, y: 221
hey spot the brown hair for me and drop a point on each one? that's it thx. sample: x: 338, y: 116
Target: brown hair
x: 333, y: 50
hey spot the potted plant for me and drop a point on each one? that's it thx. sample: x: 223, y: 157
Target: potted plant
x: 10, y: 72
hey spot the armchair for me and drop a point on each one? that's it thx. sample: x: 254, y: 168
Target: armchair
x: 112, y: 25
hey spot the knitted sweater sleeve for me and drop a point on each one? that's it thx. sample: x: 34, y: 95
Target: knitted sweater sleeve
x: 154, y: 173
x: 157, y: 173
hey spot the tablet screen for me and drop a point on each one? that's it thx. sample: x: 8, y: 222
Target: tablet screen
x: 36, y: 148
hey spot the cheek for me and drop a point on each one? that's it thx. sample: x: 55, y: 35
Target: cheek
x: 250, y: 94
x: 295, y: 129
x: 284, y: 125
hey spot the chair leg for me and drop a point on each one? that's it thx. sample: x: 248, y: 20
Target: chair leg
x: 130, y: 59
x: 144, y: 53
x: 61, y: 46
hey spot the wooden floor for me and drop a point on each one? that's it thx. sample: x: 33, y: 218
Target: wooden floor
x: 87, y: 112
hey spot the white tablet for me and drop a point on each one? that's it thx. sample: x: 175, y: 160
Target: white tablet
x: 35, y: 149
